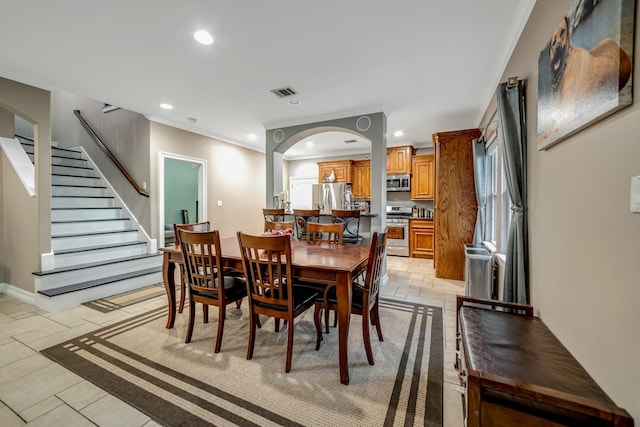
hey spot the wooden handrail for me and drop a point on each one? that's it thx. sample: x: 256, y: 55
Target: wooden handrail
x: 108, y: 152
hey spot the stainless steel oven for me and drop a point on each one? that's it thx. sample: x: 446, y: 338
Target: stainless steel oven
x: 398, y: 230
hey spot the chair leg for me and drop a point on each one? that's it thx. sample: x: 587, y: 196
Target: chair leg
x: 182, y: 289
x: 221, y: 315
x: 192, y: 318
x: 335, y: 319
x: 316, y: 321
x: 205, y: 313
x: 326, y: 319
x: 238, y: 303
x: 366, y: 337
x: 252, y: 334
x: 375, y: 319
x: 289, y: 346
x: 277, y: 321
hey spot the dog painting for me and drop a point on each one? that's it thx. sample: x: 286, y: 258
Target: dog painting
x: 585, y: 71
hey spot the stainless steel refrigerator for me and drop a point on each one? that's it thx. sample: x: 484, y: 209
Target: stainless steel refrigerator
x: 331, y: 196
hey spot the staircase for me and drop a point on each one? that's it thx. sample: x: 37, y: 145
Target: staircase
x: 97, y: 249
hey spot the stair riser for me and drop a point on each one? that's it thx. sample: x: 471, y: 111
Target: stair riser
x: 72, y: 277
x: 76, y: 298
x: 82, y: 202
x: 63, y: 161
x: 79, y: 191
x: 74, y: 180
x: 85, y: 214
x: 90, y: 227
x: 67, y: 170
x: 68, y: 260
x: 86, y: 241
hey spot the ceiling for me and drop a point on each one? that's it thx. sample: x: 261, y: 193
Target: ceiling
x: 428, y: 65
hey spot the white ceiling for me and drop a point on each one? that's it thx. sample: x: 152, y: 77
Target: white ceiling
x: 429, y: 65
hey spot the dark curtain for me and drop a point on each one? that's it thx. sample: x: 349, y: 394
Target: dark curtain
x: 480, y: 179
x: 511, y: 110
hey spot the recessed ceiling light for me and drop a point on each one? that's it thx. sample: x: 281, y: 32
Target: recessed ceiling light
x: 309, y: 144
x: 166, y: 106
x: 398, y: 133
x: 252, y: 137
x: 295, y: 102
x: 203, y: 37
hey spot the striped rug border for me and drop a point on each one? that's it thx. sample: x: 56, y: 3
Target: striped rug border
x: 173, y: 415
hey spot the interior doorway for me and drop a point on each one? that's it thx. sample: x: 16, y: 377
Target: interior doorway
x: 182, y: 193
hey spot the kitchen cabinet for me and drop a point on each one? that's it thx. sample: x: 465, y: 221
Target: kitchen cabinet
x: 422, y: 177
x: 455, y: 202
x: 361, y: 174
x: 399, y: 160
x: 341, y: 169
x: 421, y: 238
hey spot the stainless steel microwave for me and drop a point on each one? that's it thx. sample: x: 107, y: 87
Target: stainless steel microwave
x: 399, y: 182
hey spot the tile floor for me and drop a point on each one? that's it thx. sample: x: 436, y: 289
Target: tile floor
x: 35, y: 391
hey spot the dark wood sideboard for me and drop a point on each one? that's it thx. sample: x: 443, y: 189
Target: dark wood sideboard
x: 517, y: 373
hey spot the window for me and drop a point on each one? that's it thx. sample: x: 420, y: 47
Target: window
x: 498, y: 206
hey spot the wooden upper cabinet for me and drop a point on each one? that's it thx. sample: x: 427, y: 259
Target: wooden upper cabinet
x: 361, y: 174
x: 341, y: 169
x: 422, y: 177
x: 399, y: 160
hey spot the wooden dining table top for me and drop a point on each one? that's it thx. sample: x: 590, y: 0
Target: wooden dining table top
x: 310, y: 255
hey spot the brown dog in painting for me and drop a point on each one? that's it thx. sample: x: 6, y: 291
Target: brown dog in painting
x: 581, y: 79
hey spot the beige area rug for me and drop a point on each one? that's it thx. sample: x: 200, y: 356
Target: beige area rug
x: 116, y: 302
x: 151, y: 368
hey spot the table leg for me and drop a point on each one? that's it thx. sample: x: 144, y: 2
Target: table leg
x: 168, y: 275
x: 343, y: 292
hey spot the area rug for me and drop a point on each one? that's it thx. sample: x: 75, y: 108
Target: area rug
x: 125, y: 299
x: 177, y: 384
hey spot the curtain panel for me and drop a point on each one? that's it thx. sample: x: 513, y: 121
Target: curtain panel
x: 511, y: 110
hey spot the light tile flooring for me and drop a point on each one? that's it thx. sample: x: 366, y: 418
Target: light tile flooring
x: 35, y: 391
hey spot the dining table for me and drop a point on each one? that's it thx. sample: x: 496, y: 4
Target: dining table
x: 321, y: 263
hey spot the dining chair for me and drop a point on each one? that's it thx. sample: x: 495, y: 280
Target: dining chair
x: 278, y: 225
x: 320, y: 232
x: 351, y: 220
x: 196, y: 226
x: 271, y: 289
x: 207, y: 281
x: 365, y: 296
x: 302, y: 217
x: 275, y: 215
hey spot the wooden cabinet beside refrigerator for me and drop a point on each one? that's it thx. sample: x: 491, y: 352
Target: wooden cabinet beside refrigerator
x: 421, y: 238
x: 422, y: 177
x: 456, y: 207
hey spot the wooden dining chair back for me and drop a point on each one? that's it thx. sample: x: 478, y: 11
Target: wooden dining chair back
x: 351, y: 220
x: 274, y: 215
x: 302, y: 217
x: 206, y: 278
x: 320, y: 232
x: 196, y: 226
x: 278, y: 225
x: 365, y: 296
x: 270, y: 285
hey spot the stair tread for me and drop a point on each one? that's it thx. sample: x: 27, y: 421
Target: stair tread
x: 70, y: 208
x: 79, y: 186
x: 97, y: 248
x: 98, y: 282
x: 93, y: 233
x: 71, y: 221
x: 86, y: 197
x: 95, y: 264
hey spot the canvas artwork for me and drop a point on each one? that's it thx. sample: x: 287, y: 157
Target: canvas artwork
x: 585, y: 70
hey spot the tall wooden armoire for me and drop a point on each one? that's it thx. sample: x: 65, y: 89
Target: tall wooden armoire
x: 456, y: 207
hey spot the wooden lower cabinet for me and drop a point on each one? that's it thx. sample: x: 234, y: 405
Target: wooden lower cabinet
x: 421, y: 238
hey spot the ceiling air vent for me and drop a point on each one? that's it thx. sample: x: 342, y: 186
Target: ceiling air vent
x: 283, y: 92
x: 350, y: 141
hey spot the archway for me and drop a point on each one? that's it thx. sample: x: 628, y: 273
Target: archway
x: 371, y: 126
